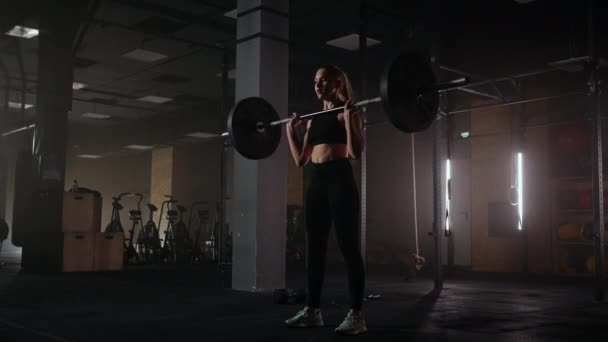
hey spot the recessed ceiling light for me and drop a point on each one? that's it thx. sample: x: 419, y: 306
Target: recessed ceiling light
x: 142, y: 55
x: 465, y: 135
x: 231, y: 74
x: 201, y: 135
x: 17, y: 105
x: 88, y: 156
x: 23, y: 32
x: 155, y: 99
x: 96, y: 116
x: 231, y: 14
x: 139, y: 147
x: 77, y: 85
x: 351, y: 42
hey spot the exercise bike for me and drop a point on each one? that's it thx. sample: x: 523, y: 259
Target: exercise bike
x: 148, y: 240
x: 135, y: 217
x: 167, y: 252
x: 183, y: 241
x: 115, y: 226
x: 198, y: 251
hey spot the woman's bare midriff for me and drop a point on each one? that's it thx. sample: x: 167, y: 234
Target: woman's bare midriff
x: 327, y: 152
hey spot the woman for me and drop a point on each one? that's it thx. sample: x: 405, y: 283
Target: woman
x: 330, y: 140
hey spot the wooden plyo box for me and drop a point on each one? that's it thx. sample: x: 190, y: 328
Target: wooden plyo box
x: 108, y: 254
x: 81, y: 212
x: 78, y: 252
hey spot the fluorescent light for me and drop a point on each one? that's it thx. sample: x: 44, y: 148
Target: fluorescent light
x: 231, y: 74
x: 139, y: 147
x: 351, y: 42
x: 231, y: 14
x: 520, y: 187
x: 77, y: 86
x: 18, y: 130
x: 89, y: 156
x: 465, y: 135
x: 23, y: 32
x: 95, y: 116
x: 155, y: 99
x: 448, y: 195
x: 202, y: 135
x: 16, y: 105
x: 142, y: 55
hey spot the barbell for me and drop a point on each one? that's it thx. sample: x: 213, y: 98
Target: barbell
x: 409, y: 94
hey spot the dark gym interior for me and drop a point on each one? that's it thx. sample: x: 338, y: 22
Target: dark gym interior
x: 142, y: 198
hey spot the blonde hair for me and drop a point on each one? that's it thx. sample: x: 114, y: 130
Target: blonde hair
x: 345, y: 92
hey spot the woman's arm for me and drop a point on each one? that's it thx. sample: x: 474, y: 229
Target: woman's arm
x: 300, y: 155
x: 355, y: 139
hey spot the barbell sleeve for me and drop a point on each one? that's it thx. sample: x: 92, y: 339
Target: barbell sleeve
x: 455, y: 83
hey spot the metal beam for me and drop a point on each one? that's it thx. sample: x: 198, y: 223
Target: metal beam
x: 476, y: 92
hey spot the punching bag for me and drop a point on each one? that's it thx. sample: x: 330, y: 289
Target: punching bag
x: 3, y: 230
x: 25, y: 185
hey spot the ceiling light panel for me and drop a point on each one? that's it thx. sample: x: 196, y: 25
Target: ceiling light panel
x: 139, y: 147
x: 17, y: 105
x: 78, y: 86
x: 351, y: 42
x: 145, y: 56
x: 88, y: 156
x: 155, y: 99
x: 23, y: 32
x: 96, y: 116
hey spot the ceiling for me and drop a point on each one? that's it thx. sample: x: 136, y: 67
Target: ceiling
x: 198, y: 38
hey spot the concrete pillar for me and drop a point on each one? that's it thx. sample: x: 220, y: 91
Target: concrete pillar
x: 161, y: 180
x: 58, y: 24
x: 258, y: 214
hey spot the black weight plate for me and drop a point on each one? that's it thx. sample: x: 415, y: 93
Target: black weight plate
x: 401, y: 83
x: 250, y: 142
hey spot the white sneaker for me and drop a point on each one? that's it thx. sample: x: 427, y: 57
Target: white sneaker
x: 353, y: 324
x: 306, y: 318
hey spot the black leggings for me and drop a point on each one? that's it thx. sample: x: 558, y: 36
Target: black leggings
x: 332, y: 196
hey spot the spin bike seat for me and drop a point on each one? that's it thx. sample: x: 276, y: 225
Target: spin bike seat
x: 152, y: 207
x: 135, y: 212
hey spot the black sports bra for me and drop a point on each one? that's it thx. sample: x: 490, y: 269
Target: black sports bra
x: 326, y: 129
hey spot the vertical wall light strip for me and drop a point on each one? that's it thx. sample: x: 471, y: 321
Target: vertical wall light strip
x: 520, y: 190
x: 448, y: 177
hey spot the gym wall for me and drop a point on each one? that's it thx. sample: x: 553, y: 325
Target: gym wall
x: 112, y: 176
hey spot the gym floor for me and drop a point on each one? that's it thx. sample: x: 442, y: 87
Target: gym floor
x: 169, y: 303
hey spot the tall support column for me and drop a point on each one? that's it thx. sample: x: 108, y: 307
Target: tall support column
x: 58, y: 24
x: 596, y: 126
x: 259, y: 200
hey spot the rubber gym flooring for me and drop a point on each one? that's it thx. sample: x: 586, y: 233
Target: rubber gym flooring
x: 173, y: 303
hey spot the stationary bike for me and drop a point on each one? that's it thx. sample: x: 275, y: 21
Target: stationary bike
x: 167, y: 252
x: 198, y: 251
x: 148, y: 240
x: 183, y: 241
x: 115, y: 226
x: 135, y: 217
